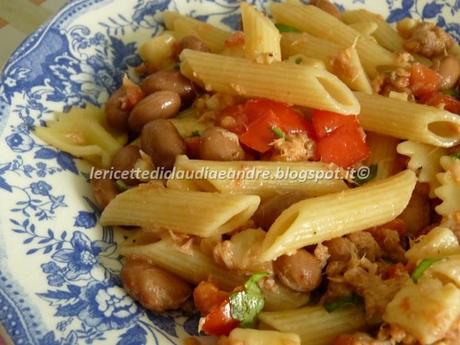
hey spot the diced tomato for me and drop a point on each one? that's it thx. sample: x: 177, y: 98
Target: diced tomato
x: 193, y: 147
x: 255, y: 120
x: 325, y: 122
x: 437, y: 98
x: 260, y: 134
x: 345, y: 146
x: 219, y: 321
x: 207, y: 297
x: 424, y: 80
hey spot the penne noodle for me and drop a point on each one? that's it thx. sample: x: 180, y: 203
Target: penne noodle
x: 209, y: 34
x: 345, y: 63
x: 315, y: 325
x: 405, y: 120
x: 385, y: 35
x: 326, y: 26
x: 84, y: 134
x: 194, y: 266
x: 383, y: 154
x: 365, y: 28
x: 261, y: 37
x: 194, y: 213
x: 285, y: 82
x: 246, y: 336
x: 319, y: 219
x: 262, y: 178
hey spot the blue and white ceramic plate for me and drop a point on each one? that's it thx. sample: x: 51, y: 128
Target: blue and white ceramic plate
x: 58, y: 268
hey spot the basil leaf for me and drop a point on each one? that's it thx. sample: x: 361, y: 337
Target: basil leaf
x: 372, y: 172
x: 342, y: 303
x: 422, y: 267
x: 278, y: 132
x: 245, y: 305
x: 286, y: 28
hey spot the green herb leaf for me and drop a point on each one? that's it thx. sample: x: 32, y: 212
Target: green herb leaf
x: 422, y: 267
x: 456, y: 155
x: 196, y: 134
x: 342, y: 302
x: 360, y: 179
x: 248, y: 303
x: 286, y: 28
x: 278, y: 132
x: 298, y: 61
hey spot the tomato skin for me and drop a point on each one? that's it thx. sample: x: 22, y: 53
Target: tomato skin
x: 256, y: 118
x: 437, y: 98
x: 424, y: 80
x: 259, y: 134
x: 207, y: 297
x: 219, y: 321
x: 345, y: 146
x: 325, y: 122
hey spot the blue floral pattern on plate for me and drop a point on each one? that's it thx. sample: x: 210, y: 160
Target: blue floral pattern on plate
x: 58, y: 269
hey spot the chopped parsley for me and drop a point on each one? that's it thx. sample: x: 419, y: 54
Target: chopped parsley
x: 248, y: 303
x: 342, y: 303
x: 298, y: 61
x: 196, y: 134
x: 278, y: 132
x: 422, y: 267
x: 286, y: 28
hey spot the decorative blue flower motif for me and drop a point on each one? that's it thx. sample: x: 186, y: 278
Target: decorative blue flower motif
x: 81, y: 259
x: 19, y: 142
x: 108, y: 307
x: 50, y: 267
x: 40, y: 188
x: 85, y: 219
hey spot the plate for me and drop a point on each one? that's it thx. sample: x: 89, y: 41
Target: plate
x: 58, y: 269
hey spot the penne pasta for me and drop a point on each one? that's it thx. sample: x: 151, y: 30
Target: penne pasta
x: 319, y: 219
x: 326, y: 26
x: 245, y: 336
x: 383, y: 154
x: 365, y: 28
x: 405, y: 120
x: 209, y: 34
x: 385, y: 35
x: 158, y: 52
x: 84, y: 134
x: 262, y: 178
x: 261, y: 37
x: 345, y: 63
x: 285, y: 82
x: 194, y: 213
x: 194, y: 266
x: 315, y: 325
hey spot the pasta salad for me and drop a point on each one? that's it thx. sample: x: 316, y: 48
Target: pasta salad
x: 296, y: 182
